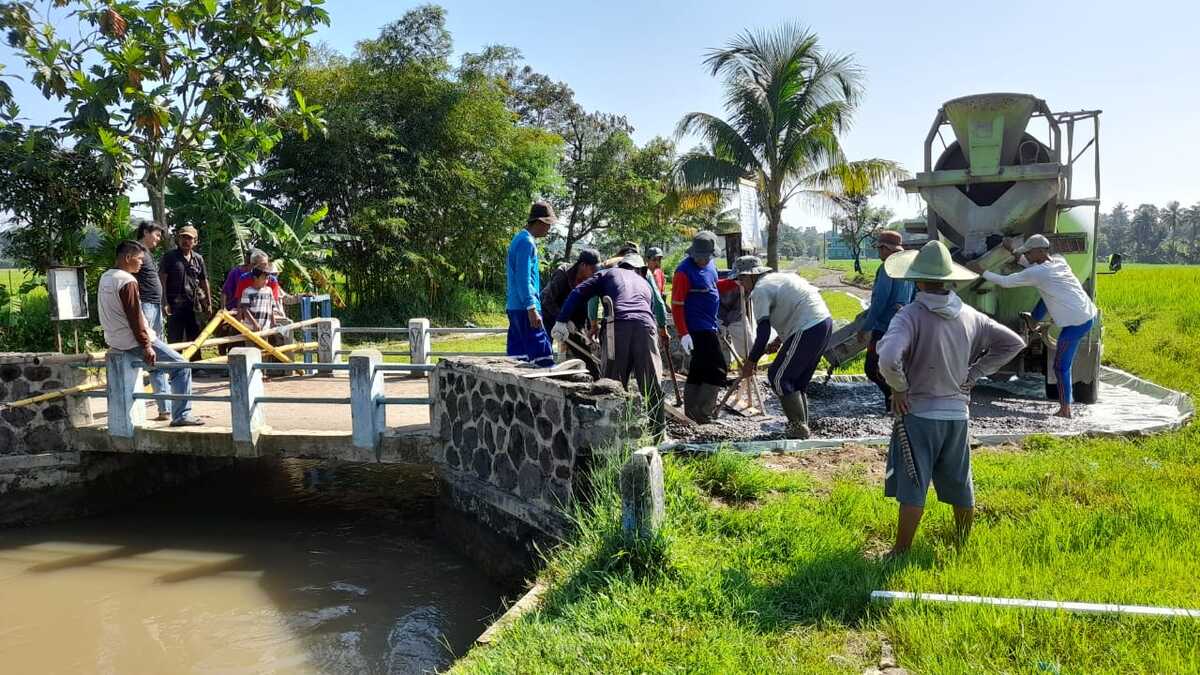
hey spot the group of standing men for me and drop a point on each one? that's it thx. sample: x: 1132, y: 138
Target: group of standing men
x: 138, y: 296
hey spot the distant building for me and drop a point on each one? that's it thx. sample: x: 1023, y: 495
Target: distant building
x: 836, y: 249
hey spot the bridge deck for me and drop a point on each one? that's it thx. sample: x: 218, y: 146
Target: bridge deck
x: 296, y: 416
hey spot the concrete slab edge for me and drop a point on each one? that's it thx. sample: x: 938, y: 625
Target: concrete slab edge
x: 528, y: 602
x: 1074, y: 607
x: 39, y: 461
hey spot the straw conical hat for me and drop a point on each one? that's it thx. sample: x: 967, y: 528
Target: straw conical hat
x: 931, y: 263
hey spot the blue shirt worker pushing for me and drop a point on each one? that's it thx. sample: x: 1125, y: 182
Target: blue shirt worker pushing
x: 628, y: 340
x: 888, y: 295
x: 527, y: 339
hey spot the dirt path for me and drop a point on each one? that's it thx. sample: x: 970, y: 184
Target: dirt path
x: 832, y: 280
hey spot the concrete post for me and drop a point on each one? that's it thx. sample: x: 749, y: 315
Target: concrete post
x: 366, y: 388
x: 329, y: 342
x: 124, y: 413
x: 420, y: 343
x: 643, y: 501
x: 245, y: 388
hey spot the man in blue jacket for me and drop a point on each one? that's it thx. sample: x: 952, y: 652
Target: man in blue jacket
x: 527, y: 339
x: 888, y: 295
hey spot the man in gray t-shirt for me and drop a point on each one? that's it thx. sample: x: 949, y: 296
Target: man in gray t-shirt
x: 149, y: 235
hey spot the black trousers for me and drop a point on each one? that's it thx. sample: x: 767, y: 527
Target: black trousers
x: 183, y: 325
x: 707, y: 364
x: 872, y: 369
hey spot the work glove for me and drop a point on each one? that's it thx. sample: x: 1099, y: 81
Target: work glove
x: 686, y: 343
x: 560, y: 332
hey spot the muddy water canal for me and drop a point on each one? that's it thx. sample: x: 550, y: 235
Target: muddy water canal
x: 286, y: 567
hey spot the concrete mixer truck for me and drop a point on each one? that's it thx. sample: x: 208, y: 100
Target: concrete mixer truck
x: 1012, y: 170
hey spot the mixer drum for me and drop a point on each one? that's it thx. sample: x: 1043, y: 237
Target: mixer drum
x: 1029, y: 151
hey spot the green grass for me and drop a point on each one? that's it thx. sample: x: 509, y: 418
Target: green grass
x: 770, y: 572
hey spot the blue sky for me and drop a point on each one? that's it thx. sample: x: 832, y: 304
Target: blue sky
x: 1138, y: 62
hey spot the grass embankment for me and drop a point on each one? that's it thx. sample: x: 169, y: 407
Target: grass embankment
x: 849, y: 276
x: 766, y: 571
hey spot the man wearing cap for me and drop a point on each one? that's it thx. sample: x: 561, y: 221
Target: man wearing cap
x: 565, y: 278
x: 932, y: 354
x: 797, y: 312
x: 1062, y: 296
x: 628, y: 343
x: 654, y: 258
x: 527, y: 339
x: 695, y: 298
x: 149, y: 235
x: 888, y: 295
x: 184, y: 278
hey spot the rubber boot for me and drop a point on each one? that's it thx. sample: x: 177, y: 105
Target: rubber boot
x: 795, y: 406
x: 700, y: 402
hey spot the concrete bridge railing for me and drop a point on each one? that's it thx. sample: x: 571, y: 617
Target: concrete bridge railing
x: 367, y: 401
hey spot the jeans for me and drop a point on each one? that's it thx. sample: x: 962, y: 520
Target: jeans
x: 181, y: 378
x: 1069, y: 339
x: 158, y: 378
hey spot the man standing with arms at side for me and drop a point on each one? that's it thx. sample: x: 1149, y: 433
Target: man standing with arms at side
x: 695, y: 297
x: 888, y: 295
x: 796, y: 311
x: 527, y: 339
x: 1063, y: 297
x: 150, y: 234
x: 184, y: 278
x: 935, y: 350
x: 125, y: 327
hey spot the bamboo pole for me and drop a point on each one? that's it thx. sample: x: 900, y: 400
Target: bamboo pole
x: 255, y: 338
x: 50, y: 396
x: 204, y: 335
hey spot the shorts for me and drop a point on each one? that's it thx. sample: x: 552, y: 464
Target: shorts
x: 942, y: 454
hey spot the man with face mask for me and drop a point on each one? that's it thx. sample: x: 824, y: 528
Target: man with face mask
x: 695, y: 299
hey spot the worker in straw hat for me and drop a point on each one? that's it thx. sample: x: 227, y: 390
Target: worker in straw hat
x: 628, y: 342
x: 1062, y: 296
x: 931, y: 356
x: 797, y: 312
x: 695, y: 298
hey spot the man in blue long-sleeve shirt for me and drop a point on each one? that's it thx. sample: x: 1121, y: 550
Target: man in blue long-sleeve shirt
x: 888, y: 295
x: 527, y: 339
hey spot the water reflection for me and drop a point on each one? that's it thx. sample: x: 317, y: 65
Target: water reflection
x: 261, y: 568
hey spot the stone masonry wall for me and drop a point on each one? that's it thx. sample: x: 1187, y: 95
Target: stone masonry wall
x: 40, y: 427
x: 520, y: 444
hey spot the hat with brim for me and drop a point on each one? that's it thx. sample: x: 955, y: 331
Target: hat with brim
x: 633, y: 261
x: 931, y: 263
x: 749, y: 266
x: 187, y: 231
x: 891, y: 240
x: 1036, y: 241
x: 542, y: 212
x: 704, y: 245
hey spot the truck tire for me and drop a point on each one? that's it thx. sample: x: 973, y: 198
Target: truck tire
x: 1051, y: 391
x: 1085, y: 392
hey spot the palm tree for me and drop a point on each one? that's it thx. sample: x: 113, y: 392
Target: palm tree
x: 787, y: 102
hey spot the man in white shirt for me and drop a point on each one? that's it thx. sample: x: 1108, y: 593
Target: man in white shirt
x: 126, y: 329
x: 796, y: 311
x: 1063, y: 298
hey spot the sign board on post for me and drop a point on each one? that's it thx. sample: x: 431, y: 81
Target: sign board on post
x: 748, y: 215
x: 68, y: 293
